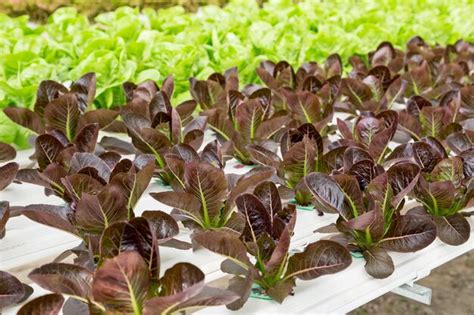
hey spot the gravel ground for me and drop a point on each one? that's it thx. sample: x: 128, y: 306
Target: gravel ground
x: 453, y: 288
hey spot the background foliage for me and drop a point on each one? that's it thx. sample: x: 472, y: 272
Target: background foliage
x: 39, y: 10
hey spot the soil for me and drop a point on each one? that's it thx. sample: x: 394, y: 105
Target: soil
x: 452, y: 285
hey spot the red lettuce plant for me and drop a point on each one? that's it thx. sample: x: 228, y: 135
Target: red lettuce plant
x: 84, y: 171
x: 237, y: 118
x: 302, y: 151
x: 64, y: 128
x: 370, y: 132
x: 124, y: 284
x: 443, y: 193
x: 206, y: 198
x: 308, y: 107
x: 433, y: 71
x: 420, y: 73
x: 422, y: 118
x: 375, y: 91
x: 308, y: 95
x: 309, y: 76
x: 276, y: 76
x: 181, y: 154
x: 426, y: 153
x: 385, y: 55
x: 427, y: 71
x: 247, y: 123
x: 154, y: 125
x: 138, y: 98
x: 61, y: 112
x: 376, y: 225
x: 375, y: 86
x: 213, y: 92
x: 356, y: 162
x: 266, y: 238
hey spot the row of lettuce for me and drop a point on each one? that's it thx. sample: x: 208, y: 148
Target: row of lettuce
x: 128, y: 45
x: 403, y: 132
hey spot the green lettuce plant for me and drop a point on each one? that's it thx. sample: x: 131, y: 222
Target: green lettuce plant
x: 126, y: 44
